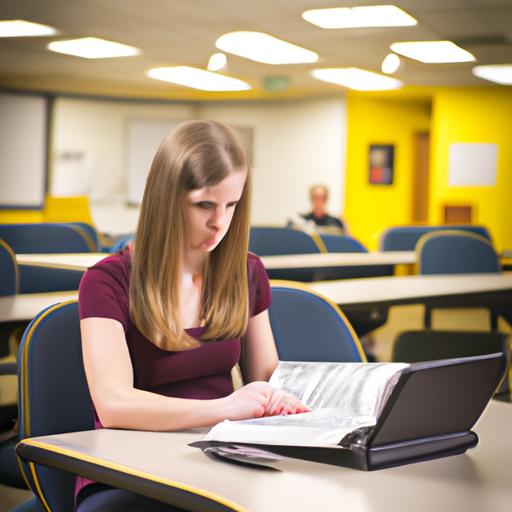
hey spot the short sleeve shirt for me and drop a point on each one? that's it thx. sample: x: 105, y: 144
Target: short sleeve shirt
x: 199, y: 373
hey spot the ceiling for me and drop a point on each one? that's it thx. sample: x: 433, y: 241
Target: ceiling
x: 176, y: 32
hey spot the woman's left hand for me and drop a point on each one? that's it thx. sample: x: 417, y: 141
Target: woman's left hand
x: 281, y: 402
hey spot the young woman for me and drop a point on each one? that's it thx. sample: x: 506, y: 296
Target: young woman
x: 164, y: 321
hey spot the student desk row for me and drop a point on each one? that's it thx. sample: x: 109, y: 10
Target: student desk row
x: 285, y: 262
x: 295, y: 261
x: 162, y: 466
x: 351, y: 294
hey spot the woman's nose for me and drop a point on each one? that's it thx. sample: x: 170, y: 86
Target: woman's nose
x: 217, y: 218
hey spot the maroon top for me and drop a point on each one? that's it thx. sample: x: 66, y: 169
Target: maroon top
x: 199, y: 373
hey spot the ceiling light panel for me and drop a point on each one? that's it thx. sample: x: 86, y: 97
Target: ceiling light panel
x: 497, y: 73
x: 22, y: 28
x: 93, y: 48
x: 198, y: 79
x: 265, y: 48
x: 390, y: 64
x: 358, y: 17
x: 357, y: 79
x: 432, y: 52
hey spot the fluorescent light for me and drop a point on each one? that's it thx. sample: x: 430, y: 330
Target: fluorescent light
x: 198, y: 79
x: 390, y: 63
x: 93, y: 48
x: 355, y: 78
x: 264, y: 48
x: 498, y: 73
x: 432, y: 52
x: 217, y: 62
x: 22, y: 28
x: 356, y: 17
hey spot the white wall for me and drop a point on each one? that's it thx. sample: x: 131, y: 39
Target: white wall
x: 90, y: 153
x: 296, y: 144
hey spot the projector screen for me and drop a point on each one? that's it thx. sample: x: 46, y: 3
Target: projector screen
x: 23, y: 150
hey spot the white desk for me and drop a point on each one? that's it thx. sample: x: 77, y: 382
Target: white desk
x: 301, y: 261
x: 410, y: 289
x: 479, y: 481
x: 26, y: 306
x: 71, y: 261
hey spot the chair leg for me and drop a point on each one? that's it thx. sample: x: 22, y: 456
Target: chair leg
x: 494, y: 320
x: 427, y: 317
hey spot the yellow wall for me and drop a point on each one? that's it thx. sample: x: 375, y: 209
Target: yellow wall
x: 369, y: 209
x: 474, y: 115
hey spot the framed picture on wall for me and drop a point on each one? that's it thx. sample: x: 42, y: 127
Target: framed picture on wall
x: 381, y: 164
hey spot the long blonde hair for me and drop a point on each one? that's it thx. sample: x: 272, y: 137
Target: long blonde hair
x: 196, y: 154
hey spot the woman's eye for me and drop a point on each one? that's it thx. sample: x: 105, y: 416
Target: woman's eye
x: 205, y: 205
x: 232, y: 205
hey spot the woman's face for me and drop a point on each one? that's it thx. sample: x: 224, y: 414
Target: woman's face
x: 209, y: 210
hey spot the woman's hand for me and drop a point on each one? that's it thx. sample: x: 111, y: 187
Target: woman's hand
x: 283, y: 403
x: 259, y: 399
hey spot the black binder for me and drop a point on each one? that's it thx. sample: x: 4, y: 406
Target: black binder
x: 428, y: 415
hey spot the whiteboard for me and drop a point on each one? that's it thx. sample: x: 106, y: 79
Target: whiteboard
x: 144, y: 137
x: 23, y: 143
x: 472, y: 164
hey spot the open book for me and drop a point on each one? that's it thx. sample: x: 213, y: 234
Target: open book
x: 344, y: 397
x: 367, y: 415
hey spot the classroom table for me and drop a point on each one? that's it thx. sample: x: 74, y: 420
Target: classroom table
x: 367, y: 298
x: 77, y: 261
x: 26, y: 306
x: 162, y: 466
x: 395, y: 290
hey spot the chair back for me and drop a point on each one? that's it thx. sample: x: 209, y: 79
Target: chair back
x: 456, y: 252
x: 404, y: 238
x: 46, y: 238
x: 309, y: 327
x: 53, y: 395
x: 427, y: 345
x: 342, y: 243
x: 275, y: 241
x: 9, y: 278
x: 90, y: 232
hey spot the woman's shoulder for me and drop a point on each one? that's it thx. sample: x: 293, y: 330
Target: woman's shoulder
x: 253, y: 259
x: 115, y: 266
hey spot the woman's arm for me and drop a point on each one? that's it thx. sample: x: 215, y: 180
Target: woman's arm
x: 119, y: 405
x: 260, y: 354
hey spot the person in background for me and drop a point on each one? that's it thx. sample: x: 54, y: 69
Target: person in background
x: 319, y: 195
x: 165, y: 320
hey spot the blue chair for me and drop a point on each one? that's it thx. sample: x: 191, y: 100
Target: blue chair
x: 121, y: 242
x: 47, y: 238
x: 9, y: 277
x: 345, y: 243
x: 9, y: 285
x: 90, y: 232
x: 277, y: 241
x: 404, y: 238
x: 309, y: 327
x: 341, y: 243
x: 456, y: 252
x: 53, y: 395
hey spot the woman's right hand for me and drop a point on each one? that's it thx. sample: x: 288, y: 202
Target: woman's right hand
x: 250, y: 401
x: 259, y: 399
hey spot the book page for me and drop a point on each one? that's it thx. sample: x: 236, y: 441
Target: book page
x: 344, y: 397
x: 357, y: 389
x: 322, y: 427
